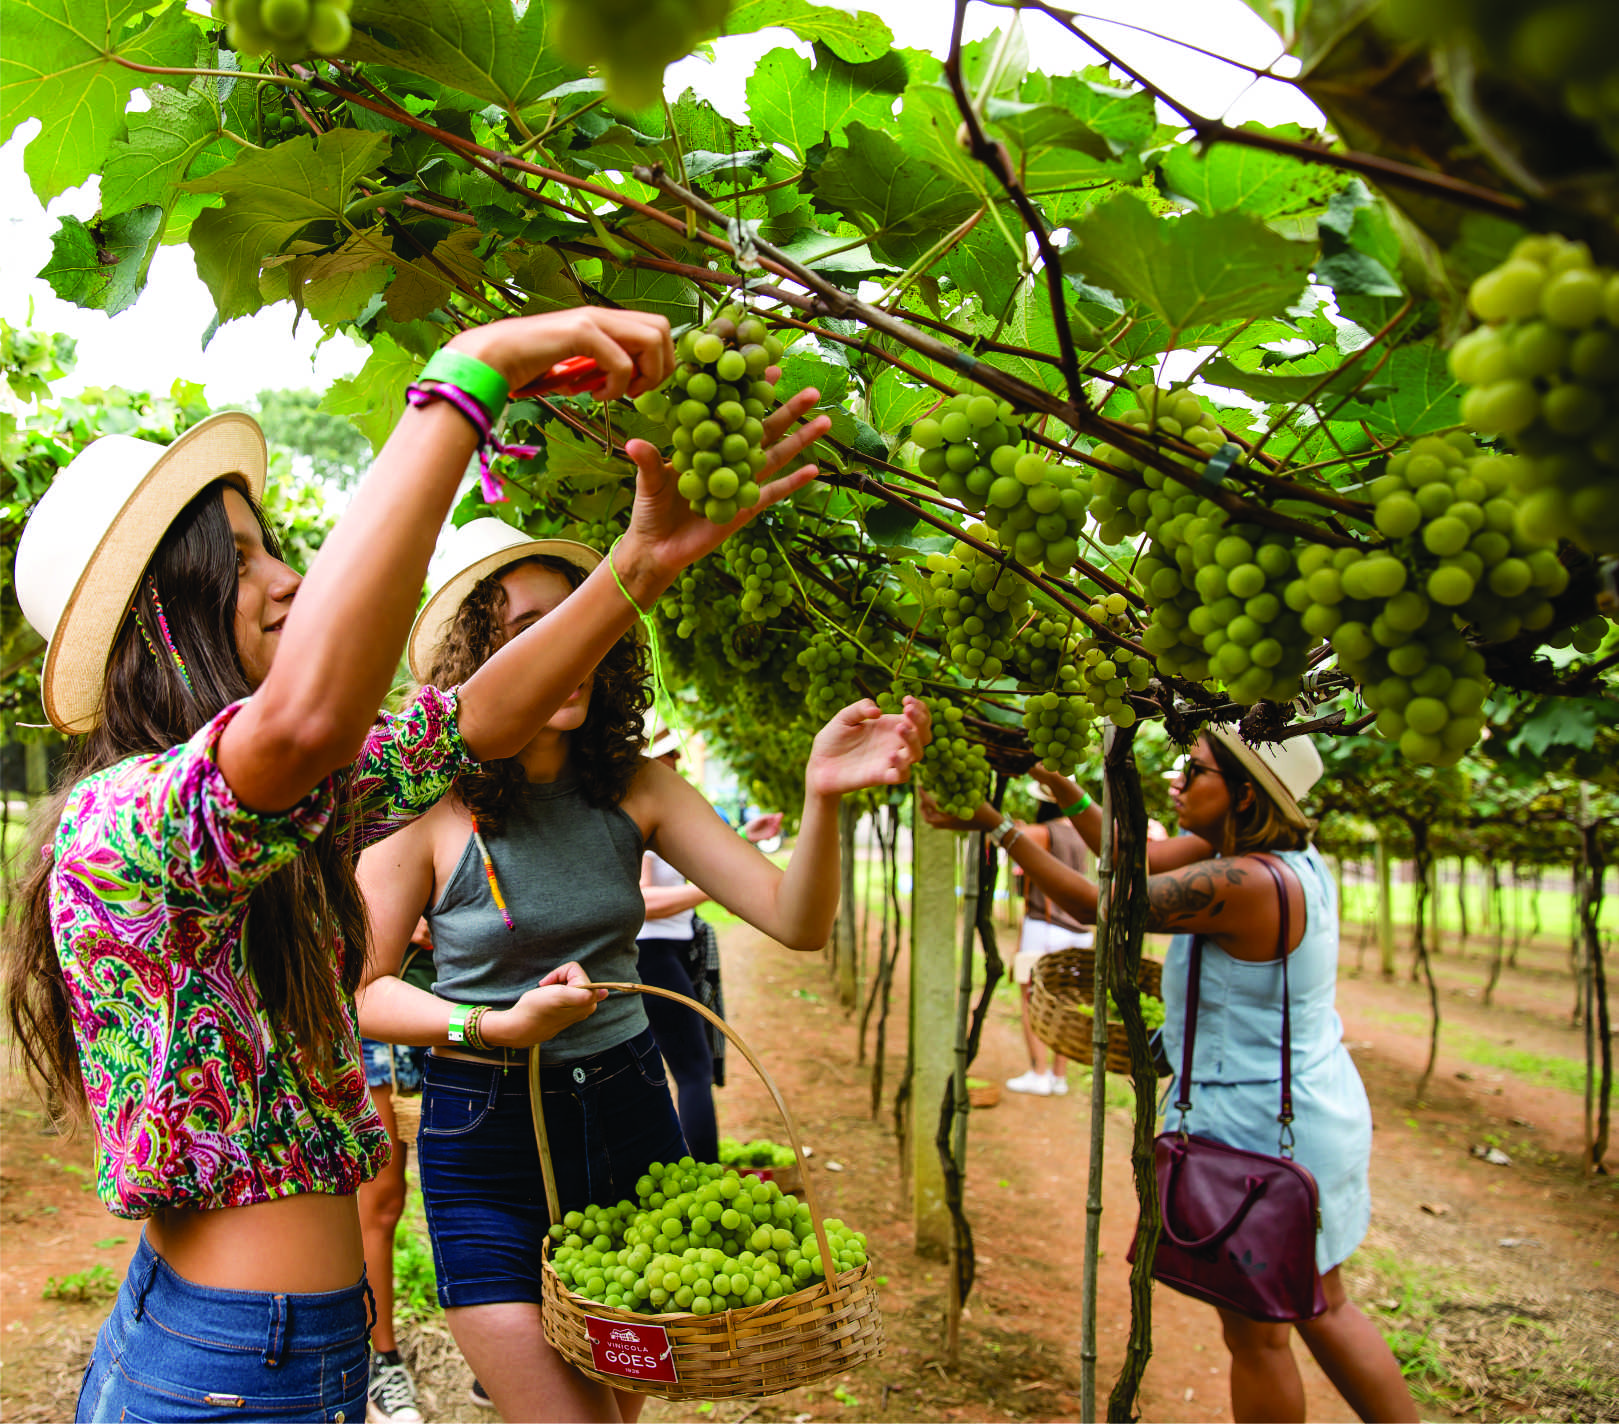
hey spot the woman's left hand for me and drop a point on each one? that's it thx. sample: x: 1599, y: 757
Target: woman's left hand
x: 665, y: 535
x: 863, y: 746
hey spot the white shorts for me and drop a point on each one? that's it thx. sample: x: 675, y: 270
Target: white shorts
x: 1040, y: 938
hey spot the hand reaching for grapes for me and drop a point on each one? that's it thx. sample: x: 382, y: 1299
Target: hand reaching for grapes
x: 862, y: 746
x: 633, y: 349
x: 665, y: 535
x: 1064, y: 790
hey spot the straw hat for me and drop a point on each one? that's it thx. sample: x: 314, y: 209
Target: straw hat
x: 92, y: 535
x: 469, y: 555
x: 1284, y: 771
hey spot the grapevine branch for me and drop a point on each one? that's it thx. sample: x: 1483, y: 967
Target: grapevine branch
x: 994, y: 157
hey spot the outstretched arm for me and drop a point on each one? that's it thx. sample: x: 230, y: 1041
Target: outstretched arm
x: 1161, y: 855
x: 340, y: 646
x: 858, y: 748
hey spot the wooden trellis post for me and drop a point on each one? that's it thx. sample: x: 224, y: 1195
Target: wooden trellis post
x: 933, y: 1026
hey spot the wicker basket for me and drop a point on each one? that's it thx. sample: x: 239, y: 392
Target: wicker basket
x: 1063, y: 982
x: 407, y: 1106
x: 778, y: 1345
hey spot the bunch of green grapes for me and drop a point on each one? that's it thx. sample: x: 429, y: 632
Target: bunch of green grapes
x: 1043, y: 645
x: 957, y: 443
x: 694, y: 599
x: 633, y: 41
x: 1057, y: 723
x: 714, y: 408
x: 761, y: 1152
x: 953, y: 767
x: 830, y: 661
x: 1565, y: 48
x: 289, y: 29
x: 1457, y: 559
x: 1544, y: 372
x: 1106, y: 673
x: 754, y: 561
x: 1117, y: 505
x: 980, y: 603
x: 1152, y: 1011
x: 700, y: 1239
x: 1035, y: 509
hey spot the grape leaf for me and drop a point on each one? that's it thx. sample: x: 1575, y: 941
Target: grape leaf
x: 1232, y: 177
x: 981, y: 264
x: 1188, y: 270
x: 583, y: 463
x: 178, y: 136
x: 332, y: 287
x: 663, y: 292
x: 423, y: 286
x: 59, y: 64
x: 1039, y: 126
x: 481, y: 47
x: 907, y: 203
x: 1423, y: 395
x: 269, y: 197
x: 103, y: 265
x: 1289, y: 388
x: 851, y: 36
x: 374, y: 397
x: 792, y: 103
x: 1123, y: 116
x: 895, y: 404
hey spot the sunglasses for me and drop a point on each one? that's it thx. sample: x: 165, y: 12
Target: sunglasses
x: 1191, y: 770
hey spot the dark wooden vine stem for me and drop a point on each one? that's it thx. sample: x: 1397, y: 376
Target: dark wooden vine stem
x: 995, y: 158
x: 1122, y: 923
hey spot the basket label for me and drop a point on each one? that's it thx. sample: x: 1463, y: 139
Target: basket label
x: 633, y: 1351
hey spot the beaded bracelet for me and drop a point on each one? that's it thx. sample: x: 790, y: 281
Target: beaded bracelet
x: 473, y: 1028
x: 1083, y: 804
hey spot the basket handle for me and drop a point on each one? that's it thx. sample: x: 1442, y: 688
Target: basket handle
x: 543, y: 1141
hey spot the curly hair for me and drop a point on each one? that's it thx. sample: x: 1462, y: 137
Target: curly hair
x: 604, y: 753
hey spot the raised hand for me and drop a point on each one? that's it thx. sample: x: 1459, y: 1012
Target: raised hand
x: 1061, y: 787
x: 942, y: 821
x: 633, y: 348
x: 665, y: 534
x: 862, y: 746
x: 555, y: 1003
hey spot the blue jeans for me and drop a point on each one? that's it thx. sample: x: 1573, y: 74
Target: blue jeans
x: 608, y: 1116
x: 682, y: 1036
x: 384, y: 1062
x: 175, y: 1351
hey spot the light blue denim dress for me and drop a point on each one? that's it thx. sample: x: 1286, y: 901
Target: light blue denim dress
x: 1236, y: 1070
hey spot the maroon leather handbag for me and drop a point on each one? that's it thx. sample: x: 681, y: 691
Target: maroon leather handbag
x: 1239, y: 1227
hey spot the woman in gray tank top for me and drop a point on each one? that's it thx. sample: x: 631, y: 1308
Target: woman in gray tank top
x: 528, y: 871
x: 1234, y: 801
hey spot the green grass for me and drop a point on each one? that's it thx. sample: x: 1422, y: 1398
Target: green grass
x: 1557, y: 908
x: 1403, y: 1304
x: 1541, y: 1070
x: 415, y: 1281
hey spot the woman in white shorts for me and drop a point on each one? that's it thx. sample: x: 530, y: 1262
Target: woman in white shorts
x: 1046, y: 929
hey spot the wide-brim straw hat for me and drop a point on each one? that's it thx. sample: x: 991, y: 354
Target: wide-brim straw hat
x: 1284, y: 771
x: 91, y: 536
x: 469, y: 555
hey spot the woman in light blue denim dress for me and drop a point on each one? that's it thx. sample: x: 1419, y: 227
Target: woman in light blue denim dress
x: 1234, y: 801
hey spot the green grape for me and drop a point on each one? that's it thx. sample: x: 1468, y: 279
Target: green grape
x: 753, y: 556
x: 965, y: 445
x: 1556, y: 314
x: 953, y: 767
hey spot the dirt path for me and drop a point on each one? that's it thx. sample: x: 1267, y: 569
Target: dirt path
x: 1500, y: 1284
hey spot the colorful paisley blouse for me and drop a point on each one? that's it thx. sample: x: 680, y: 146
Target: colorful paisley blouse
x: 196, y: 1100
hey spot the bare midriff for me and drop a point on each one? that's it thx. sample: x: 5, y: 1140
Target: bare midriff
x: 297, y: 1245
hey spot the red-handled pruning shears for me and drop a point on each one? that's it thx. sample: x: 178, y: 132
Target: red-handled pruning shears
x: 573, y: 377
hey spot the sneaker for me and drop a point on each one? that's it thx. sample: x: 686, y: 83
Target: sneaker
x: 480, y: 1396
x: 1059, y: 1086
x: 392, y: 1396
x: 1031, y: 1082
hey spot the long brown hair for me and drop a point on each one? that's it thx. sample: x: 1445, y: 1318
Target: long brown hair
x: 293, y: 917
x: 1258, y: 826
x: 604, y: 753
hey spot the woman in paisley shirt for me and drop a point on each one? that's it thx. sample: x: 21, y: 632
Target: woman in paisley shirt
x: 191, y: 932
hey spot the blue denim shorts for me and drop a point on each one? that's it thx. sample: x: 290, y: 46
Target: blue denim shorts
x: 175, y: 1351
x: 385, y: 1060
x: 608, y: 1116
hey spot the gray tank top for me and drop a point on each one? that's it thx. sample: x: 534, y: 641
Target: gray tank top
x: 570, y: 874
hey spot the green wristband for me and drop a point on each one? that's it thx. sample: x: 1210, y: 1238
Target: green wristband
x: 478, y: 379
x: 458, y: 1023
x: 1083, y: 804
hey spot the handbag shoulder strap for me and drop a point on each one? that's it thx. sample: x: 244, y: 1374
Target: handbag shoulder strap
x: 1194, y: 985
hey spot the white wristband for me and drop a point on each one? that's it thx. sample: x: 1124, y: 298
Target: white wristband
x: 999, y: 834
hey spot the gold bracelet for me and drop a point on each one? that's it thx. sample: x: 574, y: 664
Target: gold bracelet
x: 473, y: 1029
